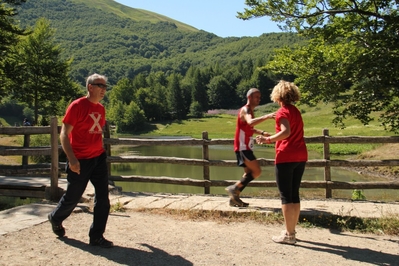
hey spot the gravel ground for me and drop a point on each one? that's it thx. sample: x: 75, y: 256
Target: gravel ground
x: 155, y: 239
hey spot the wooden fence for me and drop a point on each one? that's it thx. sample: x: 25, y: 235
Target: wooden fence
x: 204, y: 162
x: 33, y: 170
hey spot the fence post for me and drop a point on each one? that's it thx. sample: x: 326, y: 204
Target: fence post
x: 107, y: 134
x: 205, y: 157
x: 25, y: 158
x: 327, y: 168
x: 54, y: 159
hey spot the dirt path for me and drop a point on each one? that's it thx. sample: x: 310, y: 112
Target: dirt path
x: 153, y: 239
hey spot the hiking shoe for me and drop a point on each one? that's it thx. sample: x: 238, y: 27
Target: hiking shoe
x: 233, y: 192
x: 284, y: 238
x: 58, y: 229
x: 240, y: 203
x: 101, y: 242
x: 235, y: 200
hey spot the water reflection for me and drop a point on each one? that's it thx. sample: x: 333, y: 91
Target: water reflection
x: 222, y: 173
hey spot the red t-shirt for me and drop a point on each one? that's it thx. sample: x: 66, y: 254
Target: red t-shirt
x: 87, y: 120
x: 293, y: 148
x: 243, y: 138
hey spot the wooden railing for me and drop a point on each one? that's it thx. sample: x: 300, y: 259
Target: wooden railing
x: 205, y: 162
x: 207, y: 182
x: 33, y: 170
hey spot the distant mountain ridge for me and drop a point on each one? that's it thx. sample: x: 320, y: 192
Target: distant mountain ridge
x: 135, y: 14
x: 106, y: 37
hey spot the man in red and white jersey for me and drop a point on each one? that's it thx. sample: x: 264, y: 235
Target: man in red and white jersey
x: 243, y: 145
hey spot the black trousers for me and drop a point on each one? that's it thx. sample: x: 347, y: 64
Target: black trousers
x: 95, y: 170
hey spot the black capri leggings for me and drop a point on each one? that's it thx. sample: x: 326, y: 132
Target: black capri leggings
x: 288, y: 178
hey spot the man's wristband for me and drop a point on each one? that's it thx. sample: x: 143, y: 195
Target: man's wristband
x: 262, y: 133
x: 268, y: 140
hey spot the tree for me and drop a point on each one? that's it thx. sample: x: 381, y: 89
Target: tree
x: 10, y: 31
x: 196, y: 110
x: 37, y: 74
x: 157, y: 79
x: 9, y: 35
x: 139, y: 81
x: 350, y: 59
x: 127, y: 117
x: 115, y: 114
x: 265, y: 83
x: 175, y: 97
x: 152, y: 103
x: 199, y: 90
x: 123, y: 92
x: 221, y: 95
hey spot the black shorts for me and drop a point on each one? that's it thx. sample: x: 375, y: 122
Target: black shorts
x: 242, y: 155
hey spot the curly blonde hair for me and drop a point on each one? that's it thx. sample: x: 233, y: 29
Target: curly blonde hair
x: 285, y: 92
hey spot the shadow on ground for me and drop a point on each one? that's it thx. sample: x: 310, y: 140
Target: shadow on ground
x: 130, y: 256
x: 350, y: 253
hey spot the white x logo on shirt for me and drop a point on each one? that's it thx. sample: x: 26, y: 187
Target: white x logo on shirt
x: 96, y: 118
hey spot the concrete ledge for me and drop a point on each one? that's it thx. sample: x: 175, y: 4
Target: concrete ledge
x: 21, y: 217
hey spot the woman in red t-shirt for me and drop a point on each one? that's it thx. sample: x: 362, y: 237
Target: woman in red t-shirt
x: 291, y: 155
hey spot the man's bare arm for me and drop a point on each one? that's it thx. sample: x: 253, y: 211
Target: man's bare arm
x: 245, y: 116
x: 74, y: 164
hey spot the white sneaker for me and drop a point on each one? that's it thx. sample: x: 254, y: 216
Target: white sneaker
x: 284, y: 238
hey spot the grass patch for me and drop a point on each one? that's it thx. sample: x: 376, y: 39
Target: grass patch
x: 11, y: 202
x: 344, y: 148
x: 217, y: 126
x: 117, y: 207
x: 8, y: 121
x: 218, y: 216
x: 388, y: 224
x: 220, y: 124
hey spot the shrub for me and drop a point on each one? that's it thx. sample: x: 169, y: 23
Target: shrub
x: 196, y: 110
x: 37, y: 141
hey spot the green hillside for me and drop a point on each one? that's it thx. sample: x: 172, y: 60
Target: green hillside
x: 120, y: 41
x: 132, y: 13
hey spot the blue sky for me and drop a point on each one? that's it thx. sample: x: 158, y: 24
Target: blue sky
x: 215, y: 16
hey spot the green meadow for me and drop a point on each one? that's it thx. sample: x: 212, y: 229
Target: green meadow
x: 221, y: 124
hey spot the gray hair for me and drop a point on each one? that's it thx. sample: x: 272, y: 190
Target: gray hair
x: 92, y: 78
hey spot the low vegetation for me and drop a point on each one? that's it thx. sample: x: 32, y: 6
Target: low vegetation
x: 388, y: 224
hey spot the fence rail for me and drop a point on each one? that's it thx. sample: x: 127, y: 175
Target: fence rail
x: 205, y: 162
x: 49, y: 170
x: 53, y: 167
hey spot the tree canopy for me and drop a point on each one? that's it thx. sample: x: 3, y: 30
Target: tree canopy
x: 10, y: 31
x: 36, y: 74
x: 9, y: 34
x: 351, y: 58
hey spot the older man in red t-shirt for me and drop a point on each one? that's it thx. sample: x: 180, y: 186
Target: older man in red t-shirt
x: 81, y: 140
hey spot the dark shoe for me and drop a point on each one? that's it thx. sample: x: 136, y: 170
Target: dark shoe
x: 232, y: 191
x: 101, y: 242
x: 235, y: 200
x: 239, y: 203
x: 58, y: 229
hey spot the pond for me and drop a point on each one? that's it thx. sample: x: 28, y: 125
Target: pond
x: 224, y: 152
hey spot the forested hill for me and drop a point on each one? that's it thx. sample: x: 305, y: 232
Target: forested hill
x: 106, y: 37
